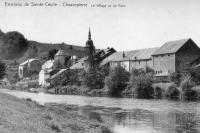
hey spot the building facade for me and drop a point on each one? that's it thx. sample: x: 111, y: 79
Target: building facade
x: 28, y: 67
x: 136, y: 59
x: 175, y: 56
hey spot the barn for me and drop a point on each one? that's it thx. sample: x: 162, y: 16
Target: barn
x: 174, y: 56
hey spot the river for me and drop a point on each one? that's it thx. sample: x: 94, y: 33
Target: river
x: 130, y: 115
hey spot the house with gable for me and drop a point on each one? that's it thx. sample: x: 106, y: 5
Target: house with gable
x: 129, y: 60
x: 29, y: 66
x: 174, y: 56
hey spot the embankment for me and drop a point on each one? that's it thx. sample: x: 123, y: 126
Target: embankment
x: 22, y: 116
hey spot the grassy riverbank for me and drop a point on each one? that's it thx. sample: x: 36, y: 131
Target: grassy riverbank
x: 22, y: 116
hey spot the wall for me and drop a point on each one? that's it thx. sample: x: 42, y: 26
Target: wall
x: 35, y: 66
x: 137, y: 64
x: 163, y: 64
x: 187, y: 54
x: 124, y: 64
x: 59, y: 62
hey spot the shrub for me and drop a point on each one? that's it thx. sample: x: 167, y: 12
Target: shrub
x: 186, y: 86
x: 2, y: 69
x: 142, y: 82
x: 69, y: 77
x: 195, y: 75
x: 176, y: 78
x: 93, y: 79
x: 117, y: 81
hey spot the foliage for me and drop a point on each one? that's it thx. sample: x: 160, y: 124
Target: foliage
x: 14, y: 44
x: 195, y: 75
x: 52, y: 53
x: 94, y: 78
x: 176, y: 78
x: 186, y: 87
x: 69, y: 77
x: 187, y: 84
x: 2, y: 69
x: 142, y: 82
x: 117, y: 80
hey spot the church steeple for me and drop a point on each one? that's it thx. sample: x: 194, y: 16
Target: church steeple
x: 90, y: 52
x: 89, y: 35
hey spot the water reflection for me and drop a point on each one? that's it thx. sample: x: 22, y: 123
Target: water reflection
x: 130, y: 115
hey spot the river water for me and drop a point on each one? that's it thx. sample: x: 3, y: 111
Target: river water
x: 130, y: 115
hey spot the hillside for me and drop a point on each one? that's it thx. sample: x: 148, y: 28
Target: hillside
x: 43, y: 49
x: 14, y: 47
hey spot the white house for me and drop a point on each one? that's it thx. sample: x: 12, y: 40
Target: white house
x: 45, y: 72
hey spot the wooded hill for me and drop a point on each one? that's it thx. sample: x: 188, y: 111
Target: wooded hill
x: 14, y: 46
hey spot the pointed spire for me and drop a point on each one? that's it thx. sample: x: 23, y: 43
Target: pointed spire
x: 89, y: 35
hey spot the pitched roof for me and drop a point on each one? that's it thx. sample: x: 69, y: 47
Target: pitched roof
x: 61, y: 52
x: 48, y: 64
x: 79, y: 64
x: 171, y: 47
x: 112, y: 57
x: 140, y: 54
x: 58, y: 73
x: 28, y: 61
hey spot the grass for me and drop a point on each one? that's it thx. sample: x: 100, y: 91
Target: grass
x: 24, y: 115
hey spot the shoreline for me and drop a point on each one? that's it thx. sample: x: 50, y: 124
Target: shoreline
x: 25, y: 115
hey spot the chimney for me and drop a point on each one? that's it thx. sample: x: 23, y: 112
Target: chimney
x: 123, y: 55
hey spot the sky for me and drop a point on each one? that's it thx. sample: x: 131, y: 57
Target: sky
x: 141, y: 24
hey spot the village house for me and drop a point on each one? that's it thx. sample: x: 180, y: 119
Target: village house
x: 45, y: 72
x: 174, y: 56
x: 28, y: 67
x: 62, y: 60
x: 129, y: 60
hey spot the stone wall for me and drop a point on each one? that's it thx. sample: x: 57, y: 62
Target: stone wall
x: 163, y: 64
x: 187, y: 54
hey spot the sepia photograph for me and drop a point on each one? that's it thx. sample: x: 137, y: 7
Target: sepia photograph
x: 99, y: 66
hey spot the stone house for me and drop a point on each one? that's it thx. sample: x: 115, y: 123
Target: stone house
x: 134, y: 59
x: 45, y: 72
x: 174, y: 56
x: 28, y: 67
x: 98, y: 58
x: 61, y: 61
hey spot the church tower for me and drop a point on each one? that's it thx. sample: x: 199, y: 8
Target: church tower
x: 90, y: 52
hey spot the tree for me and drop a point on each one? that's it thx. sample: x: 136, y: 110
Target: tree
x: 2, y: 69
x: 117, y: 80
x: 142, y: 81
x: 93, y: 79
x: 13, y: 45
x: 52, y: 53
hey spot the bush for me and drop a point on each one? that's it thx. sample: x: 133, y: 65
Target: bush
x: 93, y: 79
x: 117, y: 81
x: 195, y: 75
x: 176, y: 78
x: 142, y: 82
x: 69, y: 77
x: 2, y: 69
x: 186, y: 87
